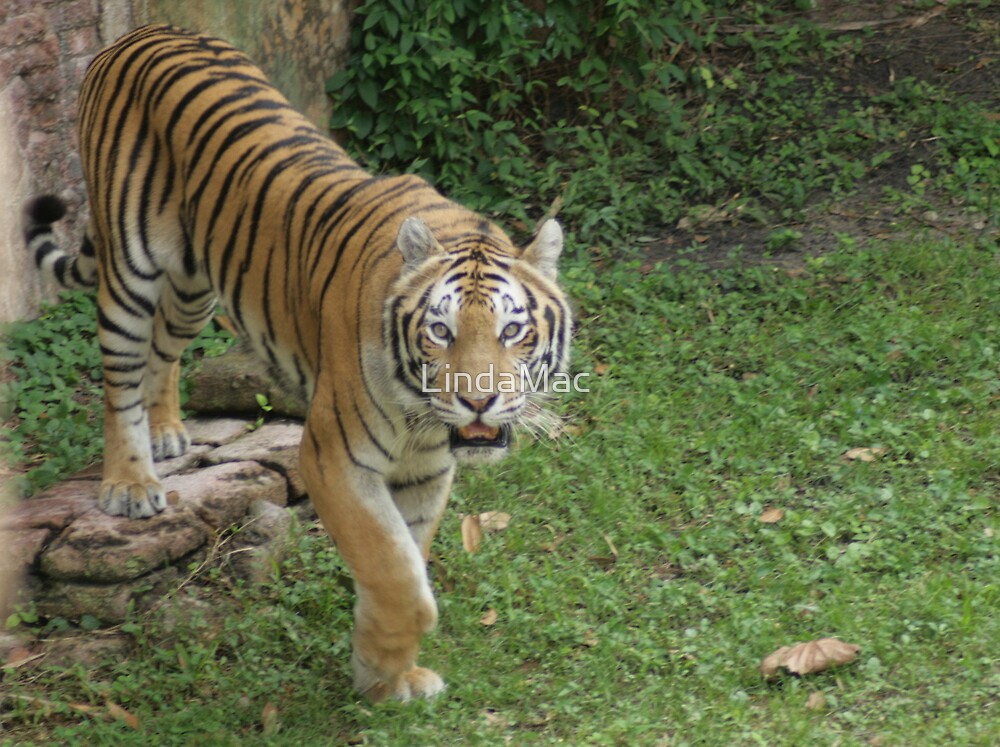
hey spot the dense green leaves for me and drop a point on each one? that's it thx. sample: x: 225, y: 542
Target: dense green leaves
x: 54, y: 396
x: 628, y: 113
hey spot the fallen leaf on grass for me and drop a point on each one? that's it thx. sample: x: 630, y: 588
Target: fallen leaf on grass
x: 489, y: 617
x: 493, y: 718
x: 494, y: 521
x: 120, y: 714
x: 606, y: 561
x: 816, y: 701
x: 20, y: 656
x: 472, y: 533
x: 269, y: 723
x: 571, y: 430
x: 771, y: 515
x: 474, y: 525
x: 809, y: 657
x: 864, y: 453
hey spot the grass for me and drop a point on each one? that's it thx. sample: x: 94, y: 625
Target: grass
x: 636, y: 589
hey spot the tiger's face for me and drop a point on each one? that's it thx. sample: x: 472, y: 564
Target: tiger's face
x: 480, y: 337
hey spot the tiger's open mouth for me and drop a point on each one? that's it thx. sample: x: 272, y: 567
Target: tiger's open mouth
x: 478, y: 434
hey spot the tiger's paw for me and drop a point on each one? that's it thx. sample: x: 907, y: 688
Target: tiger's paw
x: 419, y: 682
x: 136, y: 500
x: 168, y: 439
x: 416, y: 682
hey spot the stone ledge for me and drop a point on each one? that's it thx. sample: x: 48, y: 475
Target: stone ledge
x: 78, y: 561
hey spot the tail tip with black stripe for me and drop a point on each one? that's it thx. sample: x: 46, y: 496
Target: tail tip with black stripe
x: 45, y: 209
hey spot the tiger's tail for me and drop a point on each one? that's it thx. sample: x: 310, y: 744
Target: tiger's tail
x: 71, y: 271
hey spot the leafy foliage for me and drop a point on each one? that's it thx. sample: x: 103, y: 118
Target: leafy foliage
x: 499, y: 102
x: 628, y: 113
x: 56, y: 389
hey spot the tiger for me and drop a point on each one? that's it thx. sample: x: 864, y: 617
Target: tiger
x: 369, y: 293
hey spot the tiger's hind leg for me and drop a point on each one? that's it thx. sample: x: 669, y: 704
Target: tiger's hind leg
x: 181, y: 314
x: 126, y: 307
x: 149, y: 309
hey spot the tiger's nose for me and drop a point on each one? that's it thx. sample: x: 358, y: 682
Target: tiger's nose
x: 478, y: 403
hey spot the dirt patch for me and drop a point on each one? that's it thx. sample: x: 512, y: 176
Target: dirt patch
x: 954, y: 49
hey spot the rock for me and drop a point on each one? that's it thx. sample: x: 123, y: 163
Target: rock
x: 109, y: 603
x: 274, y: 445
x: 102, y: 548
x: 220, y: 494
x: 55, y: 508
x: 13, y: 641
x: 265, y: 537
x: 18, y: 549
x: 188, y: 459
x: 216, y: 431
x: 266, y: 524
x: 90, y: 650
x: 231, y: 382
x: 188, y: 615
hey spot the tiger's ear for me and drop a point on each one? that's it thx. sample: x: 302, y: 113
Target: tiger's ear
x: 416, y: 242
x: 544, y: 251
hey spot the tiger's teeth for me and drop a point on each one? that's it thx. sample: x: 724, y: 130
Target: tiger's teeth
x: 479, y: 430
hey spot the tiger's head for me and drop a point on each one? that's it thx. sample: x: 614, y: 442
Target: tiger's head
x: 478, y: 332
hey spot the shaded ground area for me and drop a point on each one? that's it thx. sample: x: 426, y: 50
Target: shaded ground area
x: 957, y: 50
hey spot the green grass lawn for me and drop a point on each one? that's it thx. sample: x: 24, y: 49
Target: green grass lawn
x: 636, y: 589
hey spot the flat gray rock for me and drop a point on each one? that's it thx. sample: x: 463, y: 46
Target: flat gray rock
x: 102, y: 548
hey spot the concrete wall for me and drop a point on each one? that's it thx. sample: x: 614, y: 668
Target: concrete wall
x: 45, y: 46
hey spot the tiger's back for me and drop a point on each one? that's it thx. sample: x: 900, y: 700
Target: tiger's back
x: 211, y: 177
x: 368, y: 293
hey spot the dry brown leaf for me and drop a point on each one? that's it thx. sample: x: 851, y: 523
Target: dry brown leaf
x: 571, y: 429
x: 120, y: 714
x: 84, y: 707
x: 494, y: 521
x: 472, y: 533
x: 771, y: 515
x: 20, y: 656
x: 600, y: 369
x: 269, y: 719
x: 809, y: 657
x: 590, y: 638
x: 611, y: 546
x: 557, y: 539
x: 769, y: 666
x: 864, y: 453
x: 816, y: 701
x: 489, y: 617
x: 493, y: 718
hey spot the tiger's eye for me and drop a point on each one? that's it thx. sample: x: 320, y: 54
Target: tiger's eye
x: 511, y: 330
x: 441, y: 331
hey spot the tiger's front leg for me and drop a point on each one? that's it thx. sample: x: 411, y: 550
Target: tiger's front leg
x: 395, y: 605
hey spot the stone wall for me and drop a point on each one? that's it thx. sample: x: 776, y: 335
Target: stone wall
x: 45, y: 46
